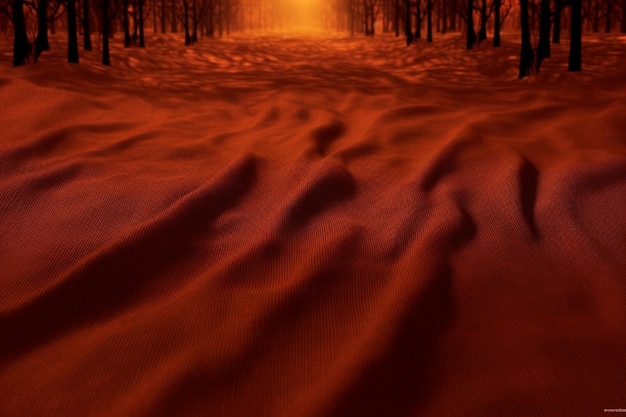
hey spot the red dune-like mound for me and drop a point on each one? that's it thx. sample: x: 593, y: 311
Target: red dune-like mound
x: 322, y: 226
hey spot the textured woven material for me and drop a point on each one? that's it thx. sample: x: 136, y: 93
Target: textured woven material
x: 344, y: 228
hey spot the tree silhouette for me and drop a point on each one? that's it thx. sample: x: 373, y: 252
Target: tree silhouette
x: 13, y: 11
x: 407, y: 22
x: 558, y: 11
x: 575, y: 49
x: 41, y: 41
x: 469, y: 23
x: 140, y: 23
x: 126, y: 24
x: 623, y: 16
x: 205, y: 17
x: 496, y: 24
x: 526, y: 55
x: 72, y: 36
x: 108, y: 12
x: 543, y: 48
x: 86, y: 27
x: 429, y: 27
x: 418, y: 19
x: 484, y: 17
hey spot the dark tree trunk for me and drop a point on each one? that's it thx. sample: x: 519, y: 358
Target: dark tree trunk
x: 471, y: 34
x: 444, y: 17
x: 429, y: 22
x: 186, y: 23
x: 125, y: 23
x: 194, y: 34
x: 418, y: 24
x: 135, y: 22
x: 397, y: 18
x: 211, y: 19
x: 482, y: 32
x: 227, y: 17
x: 453, y: 13
x: 556, y: 32
x: 407, y: 22
x: 220, y: 19
x: 526, y: 55
x: 79, y: 19
x: 21, y: 44
x: 543, y: 48
x: 41, y: 41
x: 86, y: 27
x: 72, y: 38
x: 142, y: 39
x: 608, y: 16
x: 366, y: 31
x: 369, y: 19
x: 575, y: 49
x: 496, y: 24
x: 106, y: 58
x: 174, y: 17
x: 623, y: 16
x: 162, y: 16
x: 154, y: 17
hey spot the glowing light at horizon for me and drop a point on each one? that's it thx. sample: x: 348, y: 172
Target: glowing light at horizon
x: 303, y: 14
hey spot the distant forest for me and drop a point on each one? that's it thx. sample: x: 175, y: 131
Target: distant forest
x: 546, y: 20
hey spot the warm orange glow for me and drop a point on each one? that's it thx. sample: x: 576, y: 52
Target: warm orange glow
x: 302, y: 14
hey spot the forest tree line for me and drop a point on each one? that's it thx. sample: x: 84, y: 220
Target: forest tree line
x: 451, y: 15
x: 417, y: 19
x: 33, y: 20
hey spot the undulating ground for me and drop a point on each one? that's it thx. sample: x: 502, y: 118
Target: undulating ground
x: 274, y: 225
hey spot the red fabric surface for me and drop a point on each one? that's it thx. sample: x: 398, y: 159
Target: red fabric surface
x: 421, y: 249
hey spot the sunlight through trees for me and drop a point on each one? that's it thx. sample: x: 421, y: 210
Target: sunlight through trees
x: 538, y: 22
